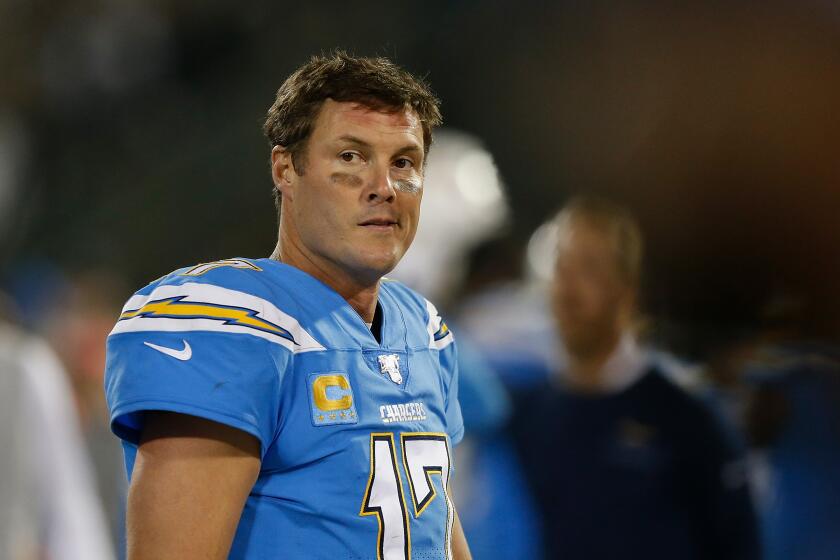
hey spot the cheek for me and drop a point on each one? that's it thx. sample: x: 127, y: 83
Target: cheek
x: 411, y: 186
x: 582, y: 298
x: 316, y: 221
x: 346, y: 180
x: 410, y: 203
x: 595, y: 295
x: 324, y: 201
x: 603, y: 302
x: 410, y: 232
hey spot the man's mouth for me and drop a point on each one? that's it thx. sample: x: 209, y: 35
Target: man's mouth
x: 380, y: 224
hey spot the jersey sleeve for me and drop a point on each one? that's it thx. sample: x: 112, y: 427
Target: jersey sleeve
x: 201, y: 350
x: 442, y: 340
x: 454, y: 419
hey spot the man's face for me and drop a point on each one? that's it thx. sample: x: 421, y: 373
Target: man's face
x: 590, y: 301
x: 355, y: 208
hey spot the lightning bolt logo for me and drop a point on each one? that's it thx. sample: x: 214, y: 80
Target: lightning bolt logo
x: 175, y: 308
x: 442, y: 331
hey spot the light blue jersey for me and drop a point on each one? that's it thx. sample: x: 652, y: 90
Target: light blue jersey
x: 356, y: 436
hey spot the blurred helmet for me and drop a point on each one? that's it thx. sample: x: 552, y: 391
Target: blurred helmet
x: 463, y: 203
x: 541, y: 252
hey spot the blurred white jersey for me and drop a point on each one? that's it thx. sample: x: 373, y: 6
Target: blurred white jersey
x: 48, y: 502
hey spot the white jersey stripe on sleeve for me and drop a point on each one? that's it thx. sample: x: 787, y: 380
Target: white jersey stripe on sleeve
x: 205, y: 307
x: 439, y: 334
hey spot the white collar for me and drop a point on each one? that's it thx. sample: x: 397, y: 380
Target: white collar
x: 627, y: 364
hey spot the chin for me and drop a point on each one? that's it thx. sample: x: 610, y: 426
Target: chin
x: 578, y: 340
x: 385, y: 259
x: 376, y: 267
x: 384, y: 267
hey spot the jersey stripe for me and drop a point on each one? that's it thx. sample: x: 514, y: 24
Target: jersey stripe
x: 205, y: 307
x: 439, y: 334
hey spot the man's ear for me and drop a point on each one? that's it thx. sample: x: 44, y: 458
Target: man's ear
x: 283, y: 171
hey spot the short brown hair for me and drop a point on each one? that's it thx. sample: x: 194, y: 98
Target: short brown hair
x: 617, y: 222
x: 376, y: 83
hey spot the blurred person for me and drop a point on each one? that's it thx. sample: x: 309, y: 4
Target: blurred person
x: 48, y: 503
x: 623, y: 463
x: 76, y: 330
x: 299, y: 405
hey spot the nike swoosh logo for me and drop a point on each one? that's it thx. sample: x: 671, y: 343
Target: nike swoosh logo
x: 182, y: 355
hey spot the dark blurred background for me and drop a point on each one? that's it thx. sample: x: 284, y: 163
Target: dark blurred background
x: 130, y: 141
x: 137, y: 126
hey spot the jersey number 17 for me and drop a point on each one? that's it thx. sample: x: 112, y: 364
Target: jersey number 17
x: 423, y: 454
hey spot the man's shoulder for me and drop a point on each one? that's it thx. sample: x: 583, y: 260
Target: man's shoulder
x: 416, y: 306
x: 238, y: 295
x: 239, y: 278
x: 655, y: 379
x: 660, y: 385
x: 235, y: 273
x: 681, y: 404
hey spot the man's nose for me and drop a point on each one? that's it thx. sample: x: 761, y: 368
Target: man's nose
x: 381, y: 187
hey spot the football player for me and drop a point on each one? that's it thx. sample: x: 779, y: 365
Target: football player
x: 300, y: 406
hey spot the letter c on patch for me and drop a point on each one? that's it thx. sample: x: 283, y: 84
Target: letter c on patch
x: 319, y: 392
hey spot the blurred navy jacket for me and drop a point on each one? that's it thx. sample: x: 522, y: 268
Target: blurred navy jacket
x: 645, y: 472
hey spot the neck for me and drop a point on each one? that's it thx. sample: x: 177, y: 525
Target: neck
x: 586, y: 369
x: 361, y: 296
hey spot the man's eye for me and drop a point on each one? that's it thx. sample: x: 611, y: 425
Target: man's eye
x: 403, y: 163
x: 349, y: 157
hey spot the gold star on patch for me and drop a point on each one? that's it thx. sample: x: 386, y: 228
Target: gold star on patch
x: 320, y: 417
x: 332, y: 416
